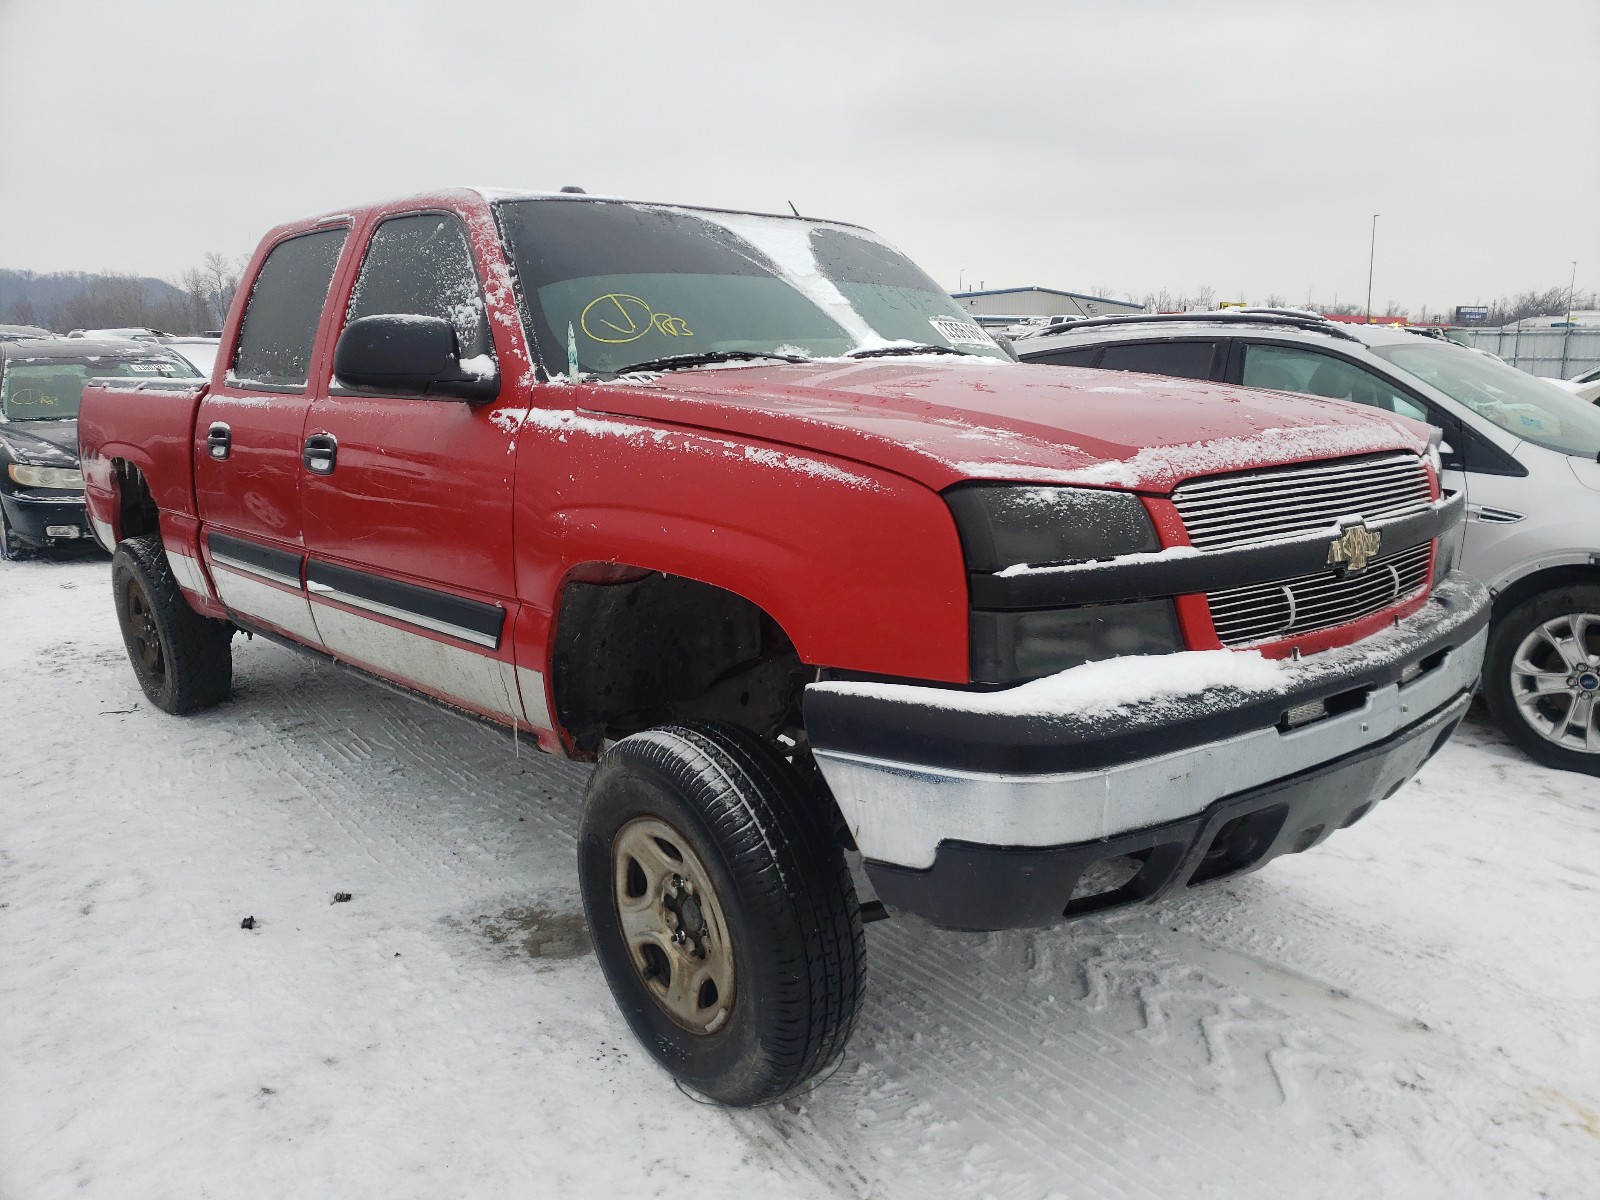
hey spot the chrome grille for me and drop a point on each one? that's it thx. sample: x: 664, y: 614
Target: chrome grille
x: 1266, y: 612
x: 1260, y: 506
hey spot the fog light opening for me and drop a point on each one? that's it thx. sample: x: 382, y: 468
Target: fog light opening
x: 1240, y: 844
x: 1109, y: 875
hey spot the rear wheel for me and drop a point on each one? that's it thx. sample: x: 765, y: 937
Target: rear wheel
x: 182, y: 659
x: 722, y: 910
x: 1542, y: 677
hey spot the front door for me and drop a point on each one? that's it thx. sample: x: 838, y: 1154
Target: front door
x: 247, y: 450
x: 408, y: 513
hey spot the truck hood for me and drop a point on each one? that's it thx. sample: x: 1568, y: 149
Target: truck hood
x: 942, y: 420
x: 41, y: 443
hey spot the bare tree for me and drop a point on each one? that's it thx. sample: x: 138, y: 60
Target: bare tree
x: 222, y: 274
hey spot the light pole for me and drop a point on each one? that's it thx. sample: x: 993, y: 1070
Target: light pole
x: 1372, y: 254
x: 1571, y: 287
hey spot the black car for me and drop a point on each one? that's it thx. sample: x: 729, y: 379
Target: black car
x: 41, y: 382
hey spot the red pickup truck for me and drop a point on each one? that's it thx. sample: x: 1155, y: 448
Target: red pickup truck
x: 746, y: 509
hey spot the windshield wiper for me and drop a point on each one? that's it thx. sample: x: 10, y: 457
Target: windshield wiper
x: 673, y: 362
x: 921, y: 348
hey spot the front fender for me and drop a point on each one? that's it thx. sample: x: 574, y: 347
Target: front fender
x: 861, y: 567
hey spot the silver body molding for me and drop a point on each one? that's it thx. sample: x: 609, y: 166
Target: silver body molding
x: 186, y: 570
x: 485, y: 683
x: 899, y: 812
x: 243, y: 590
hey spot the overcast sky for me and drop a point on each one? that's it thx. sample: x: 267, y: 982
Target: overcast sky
x: 1128, y: 147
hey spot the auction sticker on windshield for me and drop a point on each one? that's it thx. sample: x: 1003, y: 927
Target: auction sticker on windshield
x: 960, y: 333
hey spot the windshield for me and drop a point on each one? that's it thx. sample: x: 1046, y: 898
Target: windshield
x: 1517, y: 402
x: 48, y: 389
x: 611, y: 285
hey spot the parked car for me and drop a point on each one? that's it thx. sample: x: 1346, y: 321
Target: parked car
x: 1521, y: 450
x: 200, y: 352
x: 12, y: 333
x: 133, y: 333
x: 1585, y: 386
x: 747, y: 509
x: 41, y: 380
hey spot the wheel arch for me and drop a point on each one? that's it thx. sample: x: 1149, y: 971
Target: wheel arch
x: 632, y: 647
x: 1508, y: 596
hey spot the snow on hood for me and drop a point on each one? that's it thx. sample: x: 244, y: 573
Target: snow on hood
x: 945, y: 420
x: 41, y: 443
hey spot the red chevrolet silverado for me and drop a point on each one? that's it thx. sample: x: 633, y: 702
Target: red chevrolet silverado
x: 746, y: 509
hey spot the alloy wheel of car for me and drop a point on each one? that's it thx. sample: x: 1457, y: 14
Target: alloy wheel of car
x: 1555, y: 680
x: 674, y: 924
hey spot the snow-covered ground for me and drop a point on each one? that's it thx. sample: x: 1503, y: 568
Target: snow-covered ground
x: 1410, y: 1010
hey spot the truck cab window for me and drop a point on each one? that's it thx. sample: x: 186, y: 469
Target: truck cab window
x: 1186, y: 360
x: 280, y: 321
x: 421, y: 264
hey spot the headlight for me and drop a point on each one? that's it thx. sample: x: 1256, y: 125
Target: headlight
x: 1004, y: 526
x: 1009, y: 526
x: 1010, y: 647
x: 46, y: 477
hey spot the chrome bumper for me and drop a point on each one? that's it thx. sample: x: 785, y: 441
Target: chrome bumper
x: 899, y: 812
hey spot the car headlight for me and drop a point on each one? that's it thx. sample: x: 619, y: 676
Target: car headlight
x: 46, y: 477
x: 1008, y: 526
x: 1011, y: 647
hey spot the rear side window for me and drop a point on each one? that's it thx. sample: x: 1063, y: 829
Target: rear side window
x: 1290, y: 369
x: 1186, y: 360
x: 1082, y: 357
x: 421, y: 264
x: 280, y: 322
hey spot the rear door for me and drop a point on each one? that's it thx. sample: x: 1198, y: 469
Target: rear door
x: 1185, y: 358
x: 408, y: 507
x: 247, y: 450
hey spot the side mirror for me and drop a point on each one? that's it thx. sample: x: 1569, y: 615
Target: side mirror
x: 409, y: 354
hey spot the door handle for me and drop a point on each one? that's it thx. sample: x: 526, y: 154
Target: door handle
x: 321, y: 453
x: 219, y: 440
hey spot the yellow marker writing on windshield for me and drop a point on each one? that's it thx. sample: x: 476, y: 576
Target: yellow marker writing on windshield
x: 617, y: 318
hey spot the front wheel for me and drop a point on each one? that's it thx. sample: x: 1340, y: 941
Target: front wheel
x: 10, y: 544
x: 721, y: 909
x: 182, y: 659
x: 1542, y: 677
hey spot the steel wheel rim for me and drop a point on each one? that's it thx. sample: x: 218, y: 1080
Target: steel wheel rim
x: 148, y: 652
x: 1555, y: 681
x: 673, y: 923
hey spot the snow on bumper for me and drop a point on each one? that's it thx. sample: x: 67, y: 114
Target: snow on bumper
x: 914, y: 767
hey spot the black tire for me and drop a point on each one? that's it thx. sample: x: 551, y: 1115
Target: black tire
x: 1501, y: 687
x: 780, y: 880
x: 182, y: 659
x: 11, y: 547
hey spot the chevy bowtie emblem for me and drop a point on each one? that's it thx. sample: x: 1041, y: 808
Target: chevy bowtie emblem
x: 1354, y: 548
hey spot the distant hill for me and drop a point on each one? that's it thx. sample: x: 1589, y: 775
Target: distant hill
x: 69, y: 300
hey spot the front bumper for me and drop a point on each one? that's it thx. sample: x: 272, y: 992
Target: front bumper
x: 921, y: 773
x: 45, y: 517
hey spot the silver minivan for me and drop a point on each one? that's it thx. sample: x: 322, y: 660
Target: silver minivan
x: 1525, y: 452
